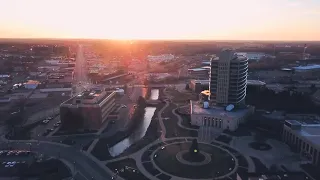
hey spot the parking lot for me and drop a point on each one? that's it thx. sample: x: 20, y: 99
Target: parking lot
x: 48, y: 125
x: 13, y: 161
x: 17, y: 163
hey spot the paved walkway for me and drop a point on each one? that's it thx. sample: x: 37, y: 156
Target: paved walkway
x: 137, y: 156
x: 280, y: 154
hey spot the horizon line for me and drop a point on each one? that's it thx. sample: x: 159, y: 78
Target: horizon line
x: 136, y: 39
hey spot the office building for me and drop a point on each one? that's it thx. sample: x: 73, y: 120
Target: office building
x: 228, y: 79
x: 199, y: 73
x: 217, y: 117
x: 304, y: 137
x: 200, y: 85
x: 225, y: 107
x: 88, y: 110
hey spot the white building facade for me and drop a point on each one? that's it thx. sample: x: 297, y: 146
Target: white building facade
x: 217, y: 117
x: 304, y: 138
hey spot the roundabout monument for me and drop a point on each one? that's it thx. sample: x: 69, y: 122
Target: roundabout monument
x: 188, y: 159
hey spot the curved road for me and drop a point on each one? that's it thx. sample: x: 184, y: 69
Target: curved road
x: 85, y: 164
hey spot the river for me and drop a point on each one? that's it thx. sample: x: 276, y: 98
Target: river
x: 141, y: 130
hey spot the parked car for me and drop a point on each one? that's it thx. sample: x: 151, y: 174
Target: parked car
x: 45, y: 121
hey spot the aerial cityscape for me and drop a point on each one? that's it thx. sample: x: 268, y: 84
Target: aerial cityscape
x: 142, y: 101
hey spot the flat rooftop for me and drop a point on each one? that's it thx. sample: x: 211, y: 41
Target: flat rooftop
x: 197, y: 69
x: 200, y: 81
x: 309, y: 67
x: 255, y: 82
x: 196, y: 108
x: 249, y: 82
x: 311, y: 132
x: 90, y: 96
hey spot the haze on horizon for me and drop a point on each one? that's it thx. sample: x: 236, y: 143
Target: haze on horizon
x: 161, y: 19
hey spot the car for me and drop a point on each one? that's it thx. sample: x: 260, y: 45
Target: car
x: 56, y: 125
x: 163, y: 147
x: 45, y: 121
x: 50, y: 118
x: 49, y: 130
x: 59, y: 122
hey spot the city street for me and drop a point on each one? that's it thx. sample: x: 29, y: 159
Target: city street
x: 81, y: 81
x: 89, y: 168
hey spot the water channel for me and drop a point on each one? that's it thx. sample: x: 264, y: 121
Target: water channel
x: 141, y: 130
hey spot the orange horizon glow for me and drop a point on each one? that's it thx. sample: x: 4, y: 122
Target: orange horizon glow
x: 161, y: 20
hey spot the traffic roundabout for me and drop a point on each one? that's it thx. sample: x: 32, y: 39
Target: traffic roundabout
x: 174, y: 158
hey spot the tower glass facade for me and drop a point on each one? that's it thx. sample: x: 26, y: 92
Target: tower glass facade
x: 228, y: 79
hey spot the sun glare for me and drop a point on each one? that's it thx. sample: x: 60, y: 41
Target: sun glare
x: 154, y: 19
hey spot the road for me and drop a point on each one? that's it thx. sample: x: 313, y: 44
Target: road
x: 41, y: 129
x: 81, y: 80
x: 89, y: 168
x: 150, y: 85
x: 289, y: 85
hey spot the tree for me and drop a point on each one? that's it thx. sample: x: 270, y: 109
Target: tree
x: 273, y: 168
x: 258, y: 137
x: 313, y: 86
x: 187, y: 87
x: 141, y: 101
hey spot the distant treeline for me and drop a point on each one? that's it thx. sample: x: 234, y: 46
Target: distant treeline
x: 143, y: 48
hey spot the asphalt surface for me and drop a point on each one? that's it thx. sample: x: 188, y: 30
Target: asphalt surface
x: 41, y: 129
x: 82, y: 163
x: 81, y: 80
x: 87, y: 167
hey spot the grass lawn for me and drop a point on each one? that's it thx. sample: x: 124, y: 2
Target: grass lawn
x: 219, y: 165
x: 172, y: 128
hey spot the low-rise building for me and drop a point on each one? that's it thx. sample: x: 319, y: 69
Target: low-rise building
x: 199, y: 85
x: 199, y: 73
x: 31, y: 84
x: 218, y: 117
x: 304, y: 137
x: 316, y: 97
x: 88, y: 110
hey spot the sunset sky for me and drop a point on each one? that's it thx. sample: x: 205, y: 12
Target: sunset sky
x: 161, y: 19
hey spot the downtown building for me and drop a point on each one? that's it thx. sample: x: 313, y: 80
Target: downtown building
x: 228, y: 79
x: 87, y: 110
x: 225, y: 107
x: 304, y: 138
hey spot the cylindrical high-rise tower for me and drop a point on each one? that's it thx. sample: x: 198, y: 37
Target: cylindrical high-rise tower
x: 228, y: 79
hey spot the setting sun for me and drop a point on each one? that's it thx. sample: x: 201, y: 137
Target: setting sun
x: 165, y: 19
